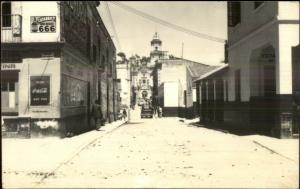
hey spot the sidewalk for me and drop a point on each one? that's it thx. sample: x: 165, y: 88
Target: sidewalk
x: 289, y: 148
x: 46, y: 154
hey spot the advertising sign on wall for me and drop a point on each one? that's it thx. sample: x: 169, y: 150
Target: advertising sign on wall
x: 39, y: 90
x: 43, y: 24
x: 74, y: 92
x: 11, y: 66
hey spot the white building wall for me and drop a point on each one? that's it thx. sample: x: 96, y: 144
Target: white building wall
x: 253, y: 33
x: 35, y: 67
x: 123, y: 75
x: 171, y: 94
x: 239, y: 58
x: 40, y: 8
x: 173, y: 72
x: 288, y: 37
x: 288, y: 10
x: 266, y: 12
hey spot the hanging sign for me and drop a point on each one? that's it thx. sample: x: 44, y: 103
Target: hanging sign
x: 43, y: 24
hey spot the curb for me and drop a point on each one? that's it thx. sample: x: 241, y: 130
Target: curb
x: 272, y: 151
x: 76, y: 152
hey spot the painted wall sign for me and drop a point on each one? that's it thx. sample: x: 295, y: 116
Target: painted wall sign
x: 39, y: 90
x: 43, y: 24
x: 74, y: 92
x: 11, y: 66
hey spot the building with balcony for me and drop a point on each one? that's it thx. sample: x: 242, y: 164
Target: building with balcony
x: 254, y: 91
x: 57, y: 58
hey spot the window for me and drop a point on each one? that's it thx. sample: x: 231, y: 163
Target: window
x: 88, y: 42
x: 4, y: 87
x: 94, y: 53
x: 237, y: 85
x: 257, y: 4
x: 99, y: 43
x: 110, y: 68
x: 234, y: 13
x: 6, y: 14
x: 7, y: 86
x: 107, y: 57
x: 103, y: 62
x: 225, y: 90
x: 11, y: 86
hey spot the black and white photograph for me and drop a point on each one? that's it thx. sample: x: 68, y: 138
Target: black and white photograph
x: 150, y: 94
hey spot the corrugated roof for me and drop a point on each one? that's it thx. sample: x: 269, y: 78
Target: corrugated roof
x: 212, y: 72
x: 196, y: 69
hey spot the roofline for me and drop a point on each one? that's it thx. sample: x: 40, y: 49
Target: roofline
x: 102, y: 25
x: 177, y: 58
x: 212, y: 72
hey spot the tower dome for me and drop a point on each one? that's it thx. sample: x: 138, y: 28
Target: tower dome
x: 156, y: 40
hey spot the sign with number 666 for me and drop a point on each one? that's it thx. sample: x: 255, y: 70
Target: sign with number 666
x: 43, y: 28
x: 43, y: 24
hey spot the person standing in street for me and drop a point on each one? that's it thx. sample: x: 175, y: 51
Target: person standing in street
x: 155, y: 112
x: 159, y: 111
x: 97, y: 114
x: 124, y: 114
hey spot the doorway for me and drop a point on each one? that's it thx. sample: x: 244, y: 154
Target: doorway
x: 9, y: 91
x: 269, y: 80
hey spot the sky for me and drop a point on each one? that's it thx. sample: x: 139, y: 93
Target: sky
x: 135, y: 32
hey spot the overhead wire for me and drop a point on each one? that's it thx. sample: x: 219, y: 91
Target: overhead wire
x: 166, y: 23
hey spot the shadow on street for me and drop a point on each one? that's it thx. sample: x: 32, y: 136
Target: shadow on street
x: 232, y: 129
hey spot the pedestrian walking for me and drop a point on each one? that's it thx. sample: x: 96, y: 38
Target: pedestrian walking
x: 155, y: 111
x: 97, y: 114
x: 159, y: 111
x: 124, y: 114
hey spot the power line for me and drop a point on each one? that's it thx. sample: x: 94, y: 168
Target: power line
x: 113, y: 25
x: 167, y: 24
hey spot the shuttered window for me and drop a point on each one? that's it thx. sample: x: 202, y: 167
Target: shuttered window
x: 234, y: 13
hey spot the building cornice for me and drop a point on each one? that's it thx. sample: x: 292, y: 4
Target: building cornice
x: 32, y: 46
x: 260, y: 29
